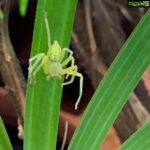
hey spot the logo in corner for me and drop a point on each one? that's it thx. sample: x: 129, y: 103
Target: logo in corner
x: 136, y: 3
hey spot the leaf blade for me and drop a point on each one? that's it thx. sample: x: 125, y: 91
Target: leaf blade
x: 114, y: 89
x: 43, y: 99
x: 23, y: 4
x: 4, y: 139
x: 139, y: 140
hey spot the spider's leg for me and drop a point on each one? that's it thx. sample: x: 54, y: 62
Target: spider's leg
x: 48, y: 31
x: 40, y: 65
x: 68, y: 50
x: 73, y: 71
x: 70, y: 71
x: 67, y: 60
x: 70, y: 58
x: 80, y: 89
x: 32, y: 67
x: 36, y: 57
x: 64, y: 50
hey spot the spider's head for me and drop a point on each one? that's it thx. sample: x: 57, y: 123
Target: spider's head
x: 54, y: 52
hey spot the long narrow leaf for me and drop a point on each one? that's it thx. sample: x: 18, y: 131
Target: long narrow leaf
x: 113, y: 91
x: 23, y: 4
x: 4, y: 139
x: 139, y: 140
x: 44, y: 98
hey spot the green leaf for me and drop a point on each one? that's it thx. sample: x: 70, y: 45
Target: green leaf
x: 44, y: 98
x: 4, y: 139
x: 23, y: 4
x: 114, y: 89
x: 139, y: 140
x: 1, y: 14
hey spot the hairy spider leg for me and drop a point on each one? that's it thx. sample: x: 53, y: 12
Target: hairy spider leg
x: 48, y: 31
x: 70, y: 71
x: 33, y: 67
x: 80, y: 89
x: 70, y: 58
x: 64, y: 50
x: 67, y: 60
x: 68, y: 50
x: 73, y: 71
x: 37, y: 58
x: 43, y: 60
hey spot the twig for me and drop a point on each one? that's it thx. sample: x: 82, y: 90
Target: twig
x: 78, y: 45
x: 121, y: 8
x: 139, y: 110
x: 100, y: 66
x: 89, y: 26
x: 10, y: 70
x: 65, y: 135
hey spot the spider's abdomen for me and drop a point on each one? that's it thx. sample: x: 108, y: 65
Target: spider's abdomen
x: 52, y: 68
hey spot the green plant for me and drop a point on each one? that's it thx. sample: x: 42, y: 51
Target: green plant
x: 115, y: 88
x: 42, y: 108
x: 23, y: 7
x: 53, y: 64
x: 4, y: 139
x: 46, y: 107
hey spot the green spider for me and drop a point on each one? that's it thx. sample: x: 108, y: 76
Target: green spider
x: 53, y: 64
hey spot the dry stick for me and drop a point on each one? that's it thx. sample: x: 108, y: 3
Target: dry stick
x: 139, y: 110
x: 121, y: 8
x: 92, y: 41
x: 11, y: 71
x: 78, y: 45
x: 100, y: 66
x: 88, y: 19
x: 65, y: 135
